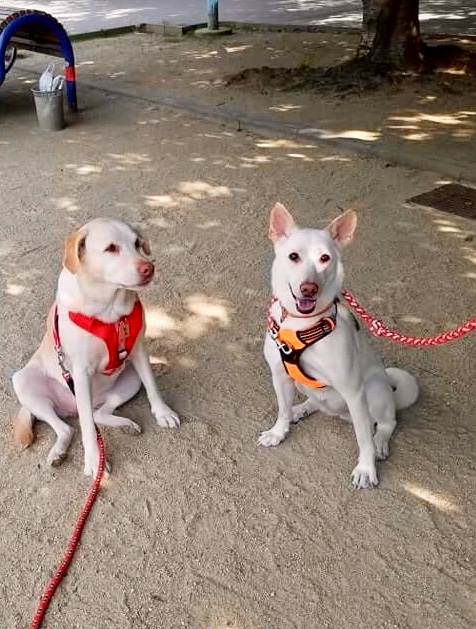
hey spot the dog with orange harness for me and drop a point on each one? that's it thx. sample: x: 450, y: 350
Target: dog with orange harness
x: 314, y: 344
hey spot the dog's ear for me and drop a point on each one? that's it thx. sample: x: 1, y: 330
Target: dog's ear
x: 281, y: 223
x: 342, y: 228
x: 143, y: 239
x: 74, y: 250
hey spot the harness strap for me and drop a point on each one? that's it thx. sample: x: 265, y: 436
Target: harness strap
x: 292, y: 343
x: 60, y: 354
x: 119, y: 337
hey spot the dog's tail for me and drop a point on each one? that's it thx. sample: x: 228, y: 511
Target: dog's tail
x: 405, y: 387
x: 23, y: 427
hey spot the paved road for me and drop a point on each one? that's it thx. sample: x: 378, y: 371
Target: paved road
x: 82, y: 16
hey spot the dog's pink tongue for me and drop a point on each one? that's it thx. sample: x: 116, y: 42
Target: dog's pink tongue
x: 305, y: 305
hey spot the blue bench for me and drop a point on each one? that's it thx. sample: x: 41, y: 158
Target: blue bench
x: 39, y: 32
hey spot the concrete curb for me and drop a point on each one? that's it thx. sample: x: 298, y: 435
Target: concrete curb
x: 395, y: 152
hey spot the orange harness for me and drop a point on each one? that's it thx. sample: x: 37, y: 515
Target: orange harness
x: 119, y: 336
x: 292, y: 343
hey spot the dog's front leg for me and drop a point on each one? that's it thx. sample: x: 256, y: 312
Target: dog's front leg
x: 84, y: 402
x: 365, y: 473
x: 165, y: 416
x: 284, y: 388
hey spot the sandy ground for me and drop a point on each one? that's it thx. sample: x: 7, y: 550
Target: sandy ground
x: 199, y: 527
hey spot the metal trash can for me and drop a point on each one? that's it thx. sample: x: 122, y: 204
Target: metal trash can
x: 49, y: 109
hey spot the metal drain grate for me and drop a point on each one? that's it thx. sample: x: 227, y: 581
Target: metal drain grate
x: 452, y: 198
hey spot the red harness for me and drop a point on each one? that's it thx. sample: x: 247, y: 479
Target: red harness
x: 119, y: 336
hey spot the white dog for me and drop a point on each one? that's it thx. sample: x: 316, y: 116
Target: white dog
x: 314, y: 343
x: 92, y: 358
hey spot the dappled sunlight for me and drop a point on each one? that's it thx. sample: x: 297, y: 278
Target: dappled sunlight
x: 257, y: 159
x: 242, y: 48
x: 203, y: 313
x: 85, y: 169
x: 425, y: 126
x: 188, y: 193
x: 209, y: 225
x: 65, y: 203
x: 199, y: 190
x: 164, y: 201
x: 187, y: 363
x: 432, y: 498
x: 417, y: 137
x: 158, y: 360
x: 130, y: 159
x: 335, y: 158
x: 303, y: 158
x: 446, y: 226
x: 444, y: 119
x: 159, y: 323
x: 412, y: 319
x: 208, y: 54
x: 350, y: 134
x: 282, y: 144
x: 285, y: 108
x: 14, y: 289
x: 114, y: 75
x: 159, y: 221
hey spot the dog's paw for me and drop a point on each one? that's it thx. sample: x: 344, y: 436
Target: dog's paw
x: 165, y: 416
x: 364, y: 476
x: 91, y: 467
x: 381, y: 447
x: 300, y: 411
x: 55, y: 456
x: 270, y: 438
x: 131, y: 428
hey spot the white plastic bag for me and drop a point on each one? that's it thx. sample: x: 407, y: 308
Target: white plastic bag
x: 48, y: 81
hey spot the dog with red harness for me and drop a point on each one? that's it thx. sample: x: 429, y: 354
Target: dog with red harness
x: 92, y: 358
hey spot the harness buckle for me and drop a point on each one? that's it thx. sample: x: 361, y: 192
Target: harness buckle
x: 283, y: 347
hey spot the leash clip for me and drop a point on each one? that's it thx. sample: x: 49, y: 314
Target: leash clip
x: 61, y: 358
x: 283, y: 348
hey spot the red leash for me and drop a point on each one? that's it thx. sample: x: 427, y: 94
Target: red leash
x: 50, y: 589
x: 378, y: 328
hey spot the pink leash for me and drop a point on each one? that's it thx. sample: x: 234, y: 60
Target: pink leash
x: 378, y: 328
x: 55, y: 580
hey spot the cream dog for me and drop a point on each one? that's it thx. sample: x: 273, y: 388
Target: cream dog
x: 92, y: 358
x: 314, y: 343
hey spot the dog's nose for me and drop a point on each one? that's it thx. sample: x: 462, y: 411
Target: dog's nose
x: 309, y: 289
x: 145, y: 269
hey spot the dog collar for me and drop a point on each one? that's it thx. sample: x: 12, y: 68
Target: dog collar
x: 292, y: 343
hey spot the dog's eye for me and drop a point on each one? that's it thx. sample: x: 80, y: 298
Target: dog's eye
x: 294, y: 257
x: 137, y: 244
x: 112, y: 248
x: 324, y: 258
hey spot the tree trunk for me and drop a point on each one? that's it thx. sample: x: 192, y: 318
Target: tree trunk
x: 391, y: 33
